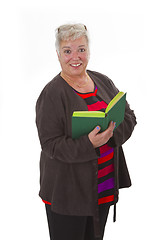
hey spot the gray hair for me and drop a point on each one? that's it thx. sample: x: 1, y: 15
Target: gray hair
x: 70, y: 32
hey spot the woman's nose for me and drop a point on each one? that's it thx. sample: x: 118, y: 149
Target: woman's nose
x: 75, y: 55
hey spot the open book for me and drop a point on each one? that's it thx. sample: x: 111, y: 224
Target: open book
x: 83, y: 122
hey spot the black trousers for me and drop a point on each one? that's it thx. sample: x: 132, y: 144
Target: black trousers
x: 64, y: 227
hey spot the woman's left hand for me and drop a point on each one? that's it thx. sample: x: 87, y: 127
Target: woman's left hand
x: 99, y: 139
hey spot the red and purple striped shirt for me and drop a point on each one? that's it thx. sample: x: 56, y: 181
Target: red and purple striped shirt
x: 105, y: 161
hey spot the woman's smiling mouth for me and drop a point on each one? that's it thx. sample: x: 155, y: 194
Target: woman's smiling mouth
x: 76, y: 65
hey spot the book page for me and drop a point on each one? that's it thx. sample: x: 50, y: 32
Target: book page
x: 114, y: 101
x: 89, y: 114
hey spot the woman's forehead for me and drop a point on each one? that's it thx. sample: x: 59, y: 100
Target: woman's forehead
x: 79, y: 42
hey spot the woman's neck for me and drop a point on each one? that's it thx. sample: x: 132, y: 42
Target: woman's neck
x: 81, y: 84
x: 80, y: 81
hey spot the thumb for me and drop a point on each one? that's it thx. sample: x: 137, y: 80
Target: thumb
x: 96, y: 130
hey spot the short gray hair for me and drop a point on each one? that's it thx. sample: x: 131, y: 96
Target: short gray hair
x: 70, y: 32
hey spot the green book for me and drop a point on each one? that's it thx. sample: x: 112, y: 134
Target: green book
x: 83, y: 122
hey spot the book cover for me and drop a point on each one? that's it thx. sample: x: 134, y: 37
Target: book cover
x: 83, y: 122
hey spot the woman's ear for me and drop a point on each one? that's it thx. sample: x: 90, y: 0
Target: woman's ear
x: 58, y: 55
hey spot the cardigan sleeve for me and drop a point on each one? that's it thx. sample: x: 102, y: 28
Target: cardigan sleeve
x: 125, y: 129
x: 51, y: 125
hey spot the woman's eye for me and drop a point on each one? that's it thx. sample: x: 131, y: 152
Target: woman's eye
x: 67, y: 51
x: 82, y: 49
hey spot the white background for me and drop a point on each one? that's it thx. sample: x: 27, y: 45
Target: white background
x: 125, y: 41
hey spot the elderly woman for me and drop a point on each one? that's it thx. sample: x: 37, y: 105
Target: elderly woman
x: 79, y: 178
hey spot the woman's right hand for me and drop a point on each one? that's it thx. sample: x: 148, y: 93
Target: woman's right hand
x: 99, y: 139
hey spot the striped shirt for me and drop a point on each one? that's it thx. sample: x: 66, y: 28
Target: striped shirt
x: 105, y: 161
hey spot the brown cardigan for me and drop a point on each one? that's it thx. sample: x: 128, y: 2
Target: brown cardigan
x: 68, y: 168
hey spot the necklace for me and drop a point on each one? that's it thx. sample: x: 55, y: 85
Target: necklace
x: 80, y: 86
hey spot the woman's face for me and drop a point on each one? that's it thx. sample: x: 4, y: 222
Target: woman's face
x: 74, y: 56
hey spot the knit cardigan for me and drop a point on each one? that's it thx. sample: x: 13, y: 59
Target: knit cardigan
x: 69, y: 167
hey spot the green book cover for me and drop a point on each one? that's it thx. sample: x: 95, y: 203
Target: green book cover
x: 83, y: 122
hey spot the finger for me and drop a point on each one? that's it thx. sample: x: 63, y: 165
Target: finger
x: 96, y: 130
x: 112, y: 125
